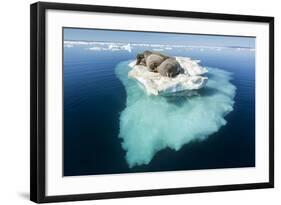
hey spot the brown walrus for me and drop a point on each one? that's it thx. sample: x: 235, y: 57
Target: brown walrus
x: 158, y: 62
x: 153, y: 61
x: 170, y: 68
x: 150, y: 59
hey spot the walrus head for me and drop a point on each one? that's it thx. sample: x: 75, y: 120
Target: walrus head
x: 152, y: 66
x: 140, y: 56
x: 147, y: 53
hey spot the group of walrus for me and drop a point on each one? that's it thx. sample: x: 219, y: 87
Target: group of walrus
x: 160, y: 63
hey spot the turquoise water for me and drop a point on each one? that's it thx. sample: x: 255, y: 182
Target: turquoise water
x: 149, y: 124
x: 111, y: 126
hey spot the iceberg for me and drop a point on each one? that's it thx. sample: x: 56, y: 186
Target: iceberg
x: 119, y: 47
x: 189, y: 79
x: 149, y: 124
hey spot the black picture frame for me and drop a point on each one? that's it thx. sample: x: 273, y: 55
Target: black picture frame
x: 38, y: 97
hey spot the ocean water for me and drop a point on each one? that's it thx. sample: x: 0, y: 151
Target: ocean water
x: 95, y: 100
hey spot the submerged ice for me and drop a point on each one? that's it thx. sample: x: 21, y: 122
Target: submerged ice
x: 149, y: 124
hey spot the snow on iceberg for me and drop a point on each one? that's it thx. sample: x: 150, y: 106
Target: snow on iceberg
x: 119, y: 47
x: 151, y: 123
x: 155, y: 84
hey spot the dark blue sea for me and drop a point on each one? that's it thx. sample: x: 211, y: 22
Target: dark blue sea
x: 94, y: 98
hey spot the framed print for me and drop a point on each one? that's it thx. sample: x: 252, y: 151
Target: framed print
x: 129, y: 102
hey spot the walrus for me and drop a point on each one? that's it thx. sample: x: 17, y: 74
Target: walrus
x: 150, y: 59
x: 142, y: 57
x: 153, y: 61
x: 147, y: 53
x: 158, y: 62
x: 170, y: 68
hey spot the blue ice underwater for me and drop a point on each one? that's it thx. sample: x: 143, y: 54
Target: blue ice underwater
x: 149, y: 124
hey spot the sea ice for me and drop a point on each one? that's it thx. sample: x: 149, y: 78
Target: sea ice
x: 151, y: 123
x: 189, y: 80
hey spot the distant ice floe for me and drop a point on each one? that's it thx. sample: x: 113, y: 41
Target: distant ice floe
x: 68, y: 45
x: 119, y: 46
x: 95, y: 48
x: 149, y: 124
x: 158, y: 49
x: 245, y: 49
x: 99, y: 46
